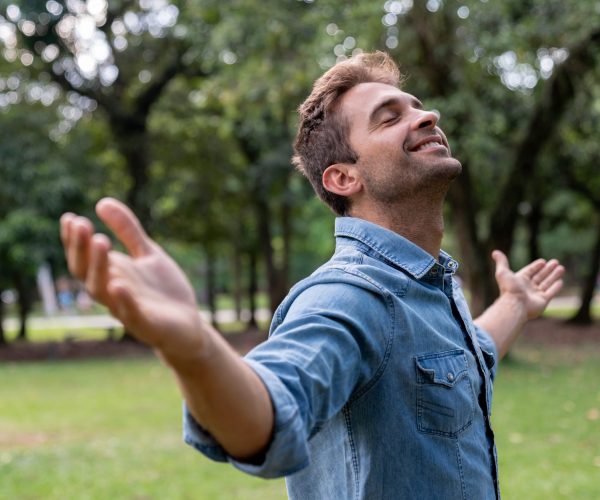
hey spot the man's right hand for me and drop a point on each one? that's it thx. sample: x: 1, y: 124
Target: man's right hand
x: 151, y: 296
x: 145, y: 289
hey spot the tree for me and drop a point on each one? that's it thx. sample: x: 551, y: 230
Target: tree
x: 264, y: 74
x: 40, y: 180
x: 579, y: 148
x: 120, y: 54
x: 502, y: 81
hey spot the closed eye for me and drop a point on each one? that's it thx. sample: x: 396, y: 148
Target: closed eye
x: 390, y: 118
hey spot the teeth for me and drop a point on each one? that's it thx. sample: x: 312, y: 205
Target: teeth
x: 427, y: 145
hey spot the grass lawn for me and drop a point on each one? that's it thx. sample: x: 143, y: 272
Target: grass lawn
x: 111, y: 429
x: 547, y: 423
x: 105, y: 430
x: 59, y: 334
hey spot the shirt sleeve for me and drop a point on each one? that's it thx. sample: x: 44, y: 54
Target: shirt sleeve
x: 325, y: 344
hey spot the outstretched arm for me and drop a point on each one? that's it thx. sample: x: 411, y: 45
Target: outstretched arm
x: 150, y: 295
x: 523, y: 296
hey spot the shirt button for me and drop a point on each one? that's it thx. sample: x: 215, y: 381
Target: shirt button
x: 450, y: 377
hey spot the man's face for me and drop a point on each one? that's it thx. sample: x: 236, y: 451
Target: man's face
x: 400, y: 148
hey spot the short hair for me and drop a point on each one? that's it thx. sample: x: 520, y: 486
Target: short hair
x: 323, y: 132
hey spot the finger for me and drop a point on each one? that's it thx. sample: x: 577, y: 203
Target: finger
x: 501, y: 262
x: 553, y: 289
x: 556, y: 274
x: 126, y: 226
x: 97, y: 275
x: 500, y: 259
x: 531, y: 269
x: 545, y: 271
x: 65, y: 226
x: 80, y: 233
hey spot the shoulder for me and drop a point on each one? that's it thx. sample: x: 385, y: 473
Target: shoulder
x: 337, y: 286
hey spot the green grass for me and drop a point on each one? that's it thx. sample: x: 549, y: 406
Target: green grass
x: 547, y: 423
x: 105, y: 429
x: 111, y: 429
x: 225, y: 301
x: 61, y: 334
x: 567, y: 312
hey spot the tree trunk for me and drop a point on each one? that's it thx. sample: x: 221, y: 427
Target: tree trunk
x: 583, y: 316
x: 237, y: 282
x: 23, y: 303
x: 286, y: 230
x: 276, y: 293
x: 210, y: 287
x: 252, y: 289
x: 534, y: 221
x: 2, y: 332
x: 132, y: 140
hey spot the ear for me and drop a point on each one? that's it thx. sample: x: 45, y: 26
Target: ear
x: 342, y: 179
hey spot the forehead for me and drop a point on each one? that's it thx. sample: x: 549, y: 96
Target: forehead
x: 358, y: 103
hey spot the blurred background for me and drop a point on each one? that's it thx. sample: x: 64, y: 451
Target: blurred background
x: 185, y: 110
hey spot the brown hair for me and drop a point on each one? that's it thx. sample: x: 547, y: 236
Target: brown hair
x: 322, y: 138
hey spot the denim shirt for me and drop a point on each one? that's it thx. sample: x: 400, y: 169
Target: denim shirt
x: 381, y: 384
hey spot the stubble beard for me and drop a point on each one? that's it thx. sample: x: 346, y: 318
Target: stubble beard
x: 402, y: 179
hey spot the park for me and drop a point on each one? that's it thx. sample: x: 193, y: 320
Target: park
x: 187, y: 112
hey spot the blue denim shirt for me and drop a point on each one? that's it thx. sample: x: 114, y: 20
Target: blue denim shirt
x: 381, y: 383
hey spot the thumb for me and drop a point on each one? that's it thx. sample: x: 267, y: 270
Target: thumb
x: 501, y: 261
x: 126, y: 226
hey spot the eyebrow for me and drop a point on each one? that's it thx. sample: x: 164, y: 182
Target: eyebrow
x: 391, y: 101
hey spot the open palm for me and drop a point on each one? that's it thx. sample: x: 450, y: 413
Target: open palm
x: 534, y: 285
x: 145, y: 289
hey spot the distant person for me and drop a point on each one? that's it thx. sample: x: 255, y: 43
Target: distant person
x: 375, y: 382
x: 64, y: 294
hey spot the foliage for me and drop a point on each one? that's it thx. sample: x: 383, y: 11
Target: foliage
x: 186, y: 109
x: 41, y: 178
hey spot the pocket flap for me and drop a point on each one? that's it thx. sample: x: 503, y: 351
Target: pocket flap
x: 442, y: 367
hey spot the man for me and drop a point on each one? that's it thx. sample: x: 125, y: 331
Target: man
x: 375, y: 382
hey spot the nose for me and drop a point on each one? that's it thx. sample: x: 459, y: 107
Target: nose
x: 425, y: 119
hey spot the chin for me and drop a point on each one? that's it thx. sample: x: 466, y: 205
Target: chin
x: 456, y: 167
x: 449, y: 167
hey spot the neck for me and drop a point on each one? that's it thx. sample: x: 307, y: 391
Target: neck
x: 419, y: 220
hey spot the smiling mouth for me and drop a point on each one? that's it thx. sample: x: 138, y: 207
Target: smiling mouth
x: 428, y: 145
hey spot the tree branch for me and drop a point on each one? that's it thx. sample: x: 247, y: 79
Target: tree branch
x: 152, y: 92
x: 556, y: 95
x: 436, y: 66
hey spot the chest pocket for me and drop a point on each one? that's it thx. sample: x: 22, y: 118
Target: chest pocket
x: 445, y: 396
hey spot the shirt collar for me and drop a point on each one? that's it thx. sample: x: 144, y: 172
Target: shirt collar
x: 393, y: 247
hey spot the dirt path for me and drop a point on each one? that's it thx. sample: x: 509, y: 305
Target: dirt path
x: 85, y: 349
x: 545, y: 331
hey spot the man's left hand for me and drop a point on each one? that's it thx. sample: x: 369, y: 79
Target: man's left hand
x: 532, y: 286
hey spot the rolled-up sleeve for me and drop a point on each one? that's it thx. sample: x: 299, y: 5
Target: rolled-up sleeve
x: 287, y: 452
x: 310, y: 366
